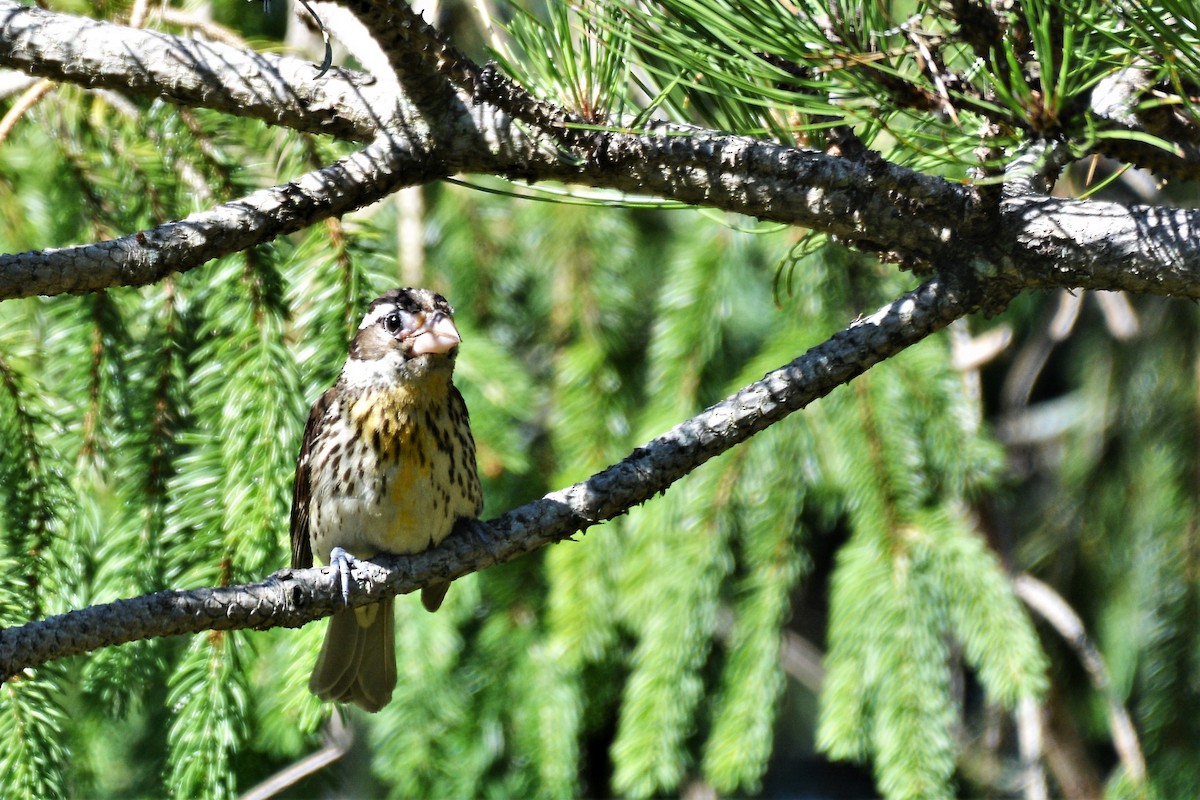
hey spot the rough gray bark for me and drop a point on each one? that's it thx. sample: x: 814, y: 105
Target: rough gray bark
x: 292, y: 598
x: 919, y: 220
x: 191, y: 72
x: 147, y: 256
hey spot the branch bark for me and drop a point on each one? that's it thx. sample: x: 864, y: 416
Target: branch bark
x: 292, y: 598
x: 148, y: 256
x: 191, y: 72
x: 921, y: 220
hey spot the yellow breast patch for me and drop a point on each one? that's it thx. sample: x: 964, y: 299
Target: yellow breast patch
x: 386, y: 420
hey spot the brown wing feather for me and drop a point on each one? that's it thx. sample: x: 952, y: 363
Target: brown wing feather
x: 458, y: 410
x: 302, y: 488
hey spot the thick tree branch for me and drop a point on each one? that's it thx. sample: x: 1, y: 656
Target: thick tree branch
x: 294, y: 597
x: 145, y: 257
x: 1097, y: 245
x: 923, y: 220
x: 192, y: 72
x: 870, y: 203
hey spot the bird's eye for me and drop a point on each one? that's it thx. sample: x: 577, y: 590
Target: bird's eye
x: 391, y: 322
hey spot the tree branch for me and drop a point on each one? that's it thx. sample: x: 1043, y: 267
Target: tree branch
x: 147, y: 256
x: 294, y: 597
x: 428, y: 68
x: 1051, y: 607
x: 1091, y: 244
x: 1118, y: 98
x: 924, y: 221
x: 192, y: 72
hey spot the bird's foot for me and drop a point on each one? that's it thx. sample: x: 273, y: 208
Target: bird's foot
x: 343, y: 564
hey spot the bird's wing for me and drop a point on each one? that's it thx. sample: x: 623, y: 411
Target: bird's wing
x: 458, y: 410
x: 302, y: 488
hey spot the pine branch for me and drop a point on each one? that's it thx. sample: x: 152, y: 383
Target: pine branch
x: 428, y: 67
x: 1036, y: 241
x: 148, y: 256
x: 191, y: 72
x: 291, y: 598
x: 1117, y: 99
x: 1092, y: 244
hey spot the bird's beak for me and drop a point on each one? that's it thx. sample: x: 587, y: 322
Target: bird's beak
x: 436, y: 334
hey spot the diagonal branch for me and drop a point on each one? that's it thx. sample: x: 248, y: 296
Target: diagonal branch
x: 1049, y: 605
x: 870, y: 202
x: 294, y: 597
x: 427, y: 66
x: 147, y: 256
x: 920, y: 220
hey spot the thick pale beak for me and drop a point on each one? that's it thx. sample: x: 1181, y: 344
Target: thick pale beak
x: 436, y: 334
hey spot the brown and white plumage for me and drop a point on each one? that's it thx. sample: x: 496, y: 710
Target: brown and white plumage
x: 387, y: 465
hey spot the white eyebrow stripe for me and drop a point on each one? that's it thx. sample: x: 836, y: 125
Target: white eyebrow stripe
x: 380, y: 311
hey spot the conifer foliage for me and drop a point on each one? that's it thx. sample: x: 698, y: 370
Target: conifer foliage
x: 990, y: 554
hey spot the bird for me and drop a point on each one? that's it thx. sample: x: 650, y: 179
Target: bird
x: 386, y: 465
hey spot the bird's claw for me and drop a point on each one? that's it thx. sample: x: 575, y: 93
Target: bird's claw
x: 343, y: 564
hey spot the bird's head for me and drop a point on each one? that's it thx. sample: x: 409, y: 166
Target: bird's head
x: 406, y: 334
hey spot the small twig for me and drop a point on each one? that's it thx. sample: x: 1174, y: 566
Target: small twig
x: 803, y: 661
x: 137, y: 16
x: 1051, y: 606
x: 1119, y: 314
x: 971, y: 352
x: 1029, y: 738
x: 338, y: 737
x: 1032, y: 358
x: 26, y: 101
x: 205, y: 27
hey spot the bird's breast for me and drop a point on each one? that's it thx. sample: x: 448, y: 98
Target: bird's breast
x: 387, y: 483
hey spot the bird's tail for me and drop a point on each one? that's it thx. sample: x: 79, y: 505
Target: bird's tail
x: 357, y: 663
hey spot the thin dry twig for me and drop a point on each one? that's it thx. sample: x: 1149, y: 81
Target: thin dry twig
x: 1051, y: 606
x: 28, y: 99
x: 338, y: 738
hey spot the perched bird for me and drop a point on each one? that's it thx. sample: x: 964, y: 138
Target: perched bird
x: 387, y: 465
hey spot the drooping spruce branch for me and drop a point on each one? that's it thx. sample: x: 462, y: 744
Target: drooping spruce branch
x: 291, y: 598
